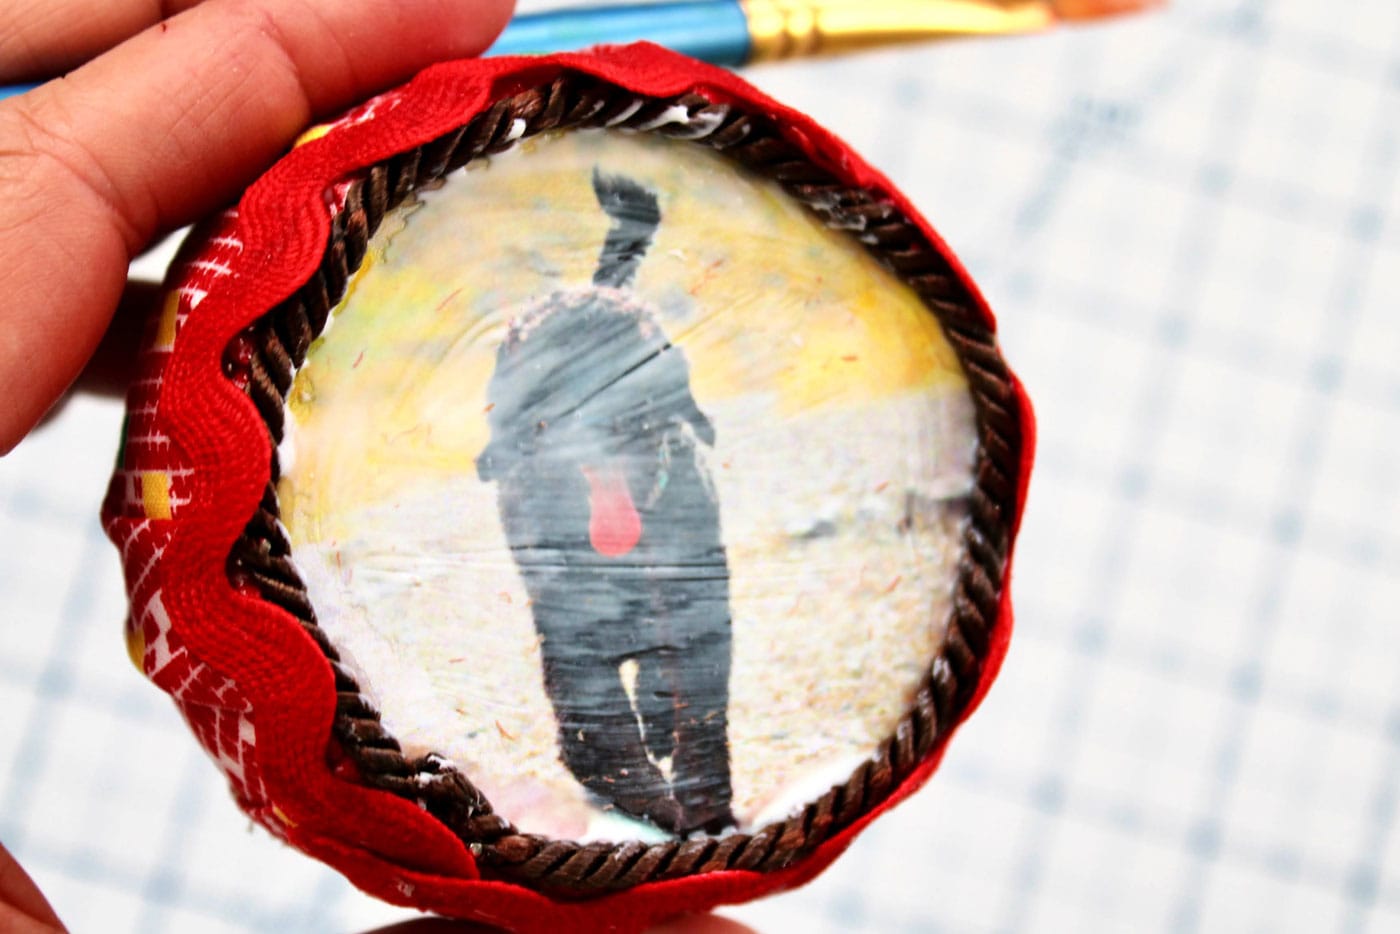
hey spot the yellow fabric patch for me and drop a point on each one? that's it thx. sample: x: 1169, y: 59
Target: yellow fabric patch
x: 135, y: 646
x: 155, y: 494
x: 311, y: 135
x: 165, y: 331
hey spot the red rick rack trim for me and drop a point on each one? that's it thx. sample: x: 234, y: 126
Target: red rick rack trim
x: 149, y: 488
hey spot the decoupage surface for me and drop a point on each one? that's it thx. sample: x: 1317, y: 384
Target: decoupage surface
x: 629, y: 488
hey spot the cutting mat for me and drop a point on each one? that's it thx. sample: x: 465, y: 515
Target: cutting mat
x: 1190, y: 227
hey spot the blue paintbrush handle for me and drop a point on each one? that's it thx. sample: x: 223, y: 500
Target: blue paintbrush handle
x: 13, y: 89
x: 714, y: 31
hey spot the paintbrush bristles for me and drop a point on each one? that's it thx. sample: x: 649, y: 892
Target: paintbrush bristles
x: 1090, y: 9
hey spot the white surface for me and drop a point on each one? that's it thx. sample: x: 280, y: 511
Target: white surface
x: 1189, y: 227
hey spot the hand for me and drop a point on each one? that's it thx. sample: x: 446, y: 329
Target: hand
x: 164, y: 119
x: 23, y: 908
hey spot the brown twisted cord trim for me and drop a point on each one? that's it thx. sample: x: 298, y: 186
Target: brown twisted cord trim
x: 264, y: 359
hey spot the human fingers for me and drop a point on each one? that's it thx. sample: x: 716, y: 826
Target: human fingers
x: 166, y: 127
x: 701, y: 924
x: 23, y: 908
x: 44, y: 38
x: 109, y: 370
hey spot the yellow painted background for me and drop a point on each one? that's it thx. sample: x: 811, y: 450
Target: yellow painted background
x: 837, y: 404
x: 764, y: 300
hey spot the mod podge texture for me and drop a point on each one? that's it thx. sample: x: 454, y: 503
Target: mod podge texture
x: 629, y: 488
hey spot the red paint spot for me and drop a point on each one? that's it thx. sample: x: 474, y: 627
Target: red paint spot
x: 614, y: 527
x: 444, y: 303
x: 708, y: 273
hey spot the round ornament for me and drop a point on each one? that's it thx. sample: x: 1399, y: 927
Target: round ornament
x: 571, y: 490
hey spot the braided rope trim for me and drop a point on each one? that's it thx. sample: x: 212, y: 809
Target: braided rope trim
x: 263, y: 359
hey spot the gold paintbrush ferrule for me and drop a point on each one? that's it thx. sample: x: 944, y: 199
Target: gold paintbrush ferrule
x: 798, y: 28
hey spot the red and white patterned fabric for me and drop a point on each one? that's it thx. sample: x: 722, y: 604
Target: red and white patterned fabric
x: 148, y: 495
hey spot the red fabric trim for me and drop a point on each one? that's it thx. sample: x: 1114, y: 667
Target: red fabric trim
x: 383, y: 843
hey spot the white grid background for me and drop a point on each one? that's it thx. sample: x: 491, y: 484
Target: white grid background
x: 1190, y: 226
